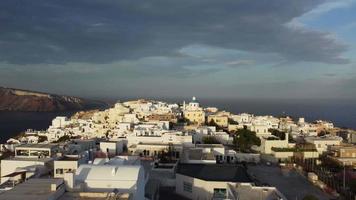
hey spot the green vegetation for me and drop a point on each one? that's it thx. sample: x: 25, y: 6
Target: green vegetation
x: 291, y: 140
x: 323, y: 133
x: 42, y: 138
x: 210, y: 140
x: 277, y: 133
x: 244, y: 139
x: 295, y: 149
x: 231, y: 121
x: 212, y: 123
x: 63, y: 139
x: 182, y: 120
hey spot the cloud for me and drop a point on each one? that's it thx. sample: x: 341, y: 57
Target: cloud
x: 328, y: 6
x: 106, y: 31
x: 238, y: 63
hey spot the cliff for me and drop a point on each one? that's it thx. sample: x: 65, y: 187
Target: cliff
x: 23, y: 100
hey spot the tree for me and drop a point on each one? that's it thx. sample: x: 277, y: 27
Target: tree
x: 210, y: 140
x: 213, y: 123
x: 42, y: 138
x: 323, y: 133
x: 277, y: 133
x: 231, y: 121
x: 64, y: 138
x: 244, y: 139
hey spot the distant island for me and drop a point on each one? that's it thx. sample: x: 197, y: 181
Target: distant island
x: 31, y: 101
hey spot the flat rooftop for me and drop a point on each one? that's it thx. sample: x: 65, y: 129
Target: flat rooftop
x: 29, y: 159
x: 215, y: 172
x: 37, y: 146
x: 33, y: 189
x: 68, y: 158
x: 342, y: 147
x: 157, y: 144
x: 83, y: 140
x: 248, y: 192
x: 108, y: 141
x: 197, y: 154
x: 312, y: 138
x: 209, y: 145
x: 91, y: 196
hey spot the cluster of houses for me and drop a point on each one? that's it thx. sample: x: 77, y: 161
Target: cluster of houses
x: 136, y: 148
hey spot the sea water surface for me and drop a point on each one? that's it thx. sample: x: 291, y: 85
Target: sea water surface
x: 13, y: 123
x: 341, y: 112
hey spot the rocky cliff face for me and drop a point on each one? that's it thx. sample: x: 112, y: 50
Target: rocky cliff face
x: 22, y: 100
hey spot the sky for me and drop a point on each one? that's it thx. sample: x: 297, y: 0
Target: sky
x: 277, y: 49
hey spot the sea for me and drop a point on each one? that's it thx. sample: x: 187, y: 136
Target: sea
x: 13, y: 123
x: 341, y: 112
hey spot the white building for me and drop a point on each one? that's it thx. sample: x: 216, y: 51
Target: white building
x: 208, y: 181
x: 260, y: 127
x: 67, y: 164
x: 203, y: 153
x: 36, y: 150
x: 247, y: 191
x: 242, y: 118
x: 321, y: 143
x: 193, y: 105
x: 115, y: 174
x: 325, y: 124
x: 32, y: 159
x: 267, y: 144
x: 112, y: 147
x: 60, y: 122
x: 36, y: 189
x: 159, y: 136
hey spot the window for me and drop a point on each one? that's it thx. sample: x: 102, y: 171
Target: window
x: 59, y: 171
x: 67, y: 170
x: 219, y: 193
x: 44, y: 153
x: 34, y: 153
x: 22, y: 152
x: 187, y: 187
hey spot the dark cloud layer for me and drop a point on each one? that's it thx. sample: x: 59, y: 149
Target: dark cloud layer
x: 103, y: 31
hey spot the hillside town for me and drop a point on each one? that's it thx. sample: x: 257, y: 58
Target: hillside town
x: 146, y: 149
